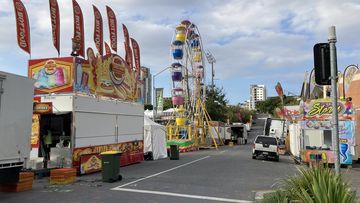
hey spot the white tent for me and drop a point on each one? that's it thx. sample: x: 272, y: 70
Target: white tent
x: 149, y: 113
x: 154, y: 139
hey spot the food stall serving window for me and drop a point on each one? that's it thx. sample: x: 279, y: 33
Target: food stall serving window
x: 317, y: 139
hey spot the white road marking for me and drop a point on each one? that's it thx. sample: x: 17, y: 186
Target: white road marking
x: 182, y: 195
x: 156, y: 174
x: 223, y: 151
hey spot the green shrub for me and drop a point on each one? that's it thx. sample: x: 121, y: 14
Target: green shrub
x: 314, y: 185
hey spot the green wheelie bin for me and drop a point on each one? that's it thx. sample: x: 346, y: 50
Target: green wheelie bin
x: 110, y: 161
x: 174, y: 152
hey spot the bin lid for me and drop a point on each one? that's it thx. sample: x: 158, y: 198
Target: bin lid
x: 110, y: 152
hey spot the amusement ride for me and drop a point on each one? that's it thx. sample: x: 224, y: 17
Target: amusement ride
x: 191, y: 126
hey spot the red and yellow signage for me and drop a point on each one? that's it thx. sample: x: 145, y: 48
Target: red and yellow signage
x: 322, y: 109
x: 43, y: 108
x: 52, y: 75
x: 90, y: 163
x: 128, y: 150
x: 35, y: 131
x: 107, y: 76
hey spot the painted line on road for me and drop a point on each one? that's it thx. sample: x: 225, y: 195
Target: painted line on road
x: 156, y: 174
x: 223, y: 151
x: 182, y: 195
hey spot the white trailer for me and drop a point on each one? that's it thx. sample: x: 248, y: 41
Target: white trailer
x: 84, y: 126
x: 218, y: 130
x: 237, y: 133
x: 275, y: 128
x: 16, y: 105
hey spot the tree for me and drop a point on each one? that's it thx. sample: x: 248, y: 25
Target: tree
x: 216, y: 104
x: 237, y: 114
x: 167, y: 103
x: 269, y: 105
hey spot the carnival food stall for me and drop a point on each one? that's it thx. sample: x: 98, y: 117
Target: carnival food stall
x: 89, y: 106
x: 316, y: 131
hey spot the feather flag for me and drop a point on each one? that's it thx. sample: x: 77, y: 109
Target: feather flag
x: 98, y: 30
x: 136, y: 51
x: 22, y: 26
x: 279, y: 90
x: 126, y: 34
x: 112, y: 28
x: 128, y: 52
x: 107, y: 49
x: 55, y: 24
x: 79, y: 28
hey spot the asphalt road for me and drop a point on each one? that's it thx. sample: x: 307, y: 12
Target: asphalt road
x: 225, y: 175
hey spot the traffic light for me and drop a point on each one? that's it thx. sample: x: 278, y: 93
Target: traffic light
x: 322, y: 63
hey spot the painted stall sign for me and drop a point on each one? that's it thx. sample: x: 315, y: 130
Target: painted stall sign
x: 35, y: 131
x: 90, y: 163
x: 43, y: 108
x: 107, y: 76
x: 52, y: 75
x: 346, y: 141
x: 322, y: 110
x: 131, y: 152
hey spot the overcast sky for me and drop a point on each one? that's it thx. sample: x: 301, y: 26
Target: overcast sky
x: 254, y: 42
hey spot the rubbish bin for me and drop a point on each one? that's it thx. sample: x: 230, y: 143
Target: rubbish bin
x: 110, y: 161
x: 315, y: 160
x: 312, y: 157
x: 174, y: 152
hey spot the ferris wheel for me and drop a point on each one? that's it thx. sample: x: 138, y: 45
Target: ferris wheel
x: 187, y: 67
x: 192, y: 121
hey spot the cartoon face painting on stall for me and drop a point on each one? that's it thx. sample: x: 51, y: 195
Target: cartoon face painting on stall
x: 316, y: 126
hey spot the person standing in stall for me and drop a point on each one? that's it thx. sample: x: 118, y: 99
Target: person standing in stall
x: 46, y: 144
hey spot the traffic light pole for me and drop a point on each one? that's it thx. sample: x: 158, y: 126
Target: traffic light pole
x: 335, y: 120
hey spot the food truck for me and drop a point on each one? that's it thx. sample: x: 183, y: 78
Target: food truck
x: 316, y: 129
x: 89, y: 106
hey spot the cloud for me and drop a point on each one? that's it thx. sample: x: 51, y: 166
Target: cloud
x: 262, y: 41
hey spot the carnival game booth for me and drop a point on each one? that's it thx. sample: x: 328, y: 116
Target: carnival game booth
x: 316, y: 128
x: 89, y: 106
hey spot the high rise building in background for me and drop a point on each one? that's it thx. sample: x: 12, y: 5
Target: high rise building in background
x: 257, y: 93
x: 146, y: 87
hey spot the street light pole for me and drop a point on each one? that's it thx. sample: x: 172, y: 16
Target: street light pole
x: 154, y: 92
x: 335, y: 119
x: 212, y: 76
x: 211, y: 59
